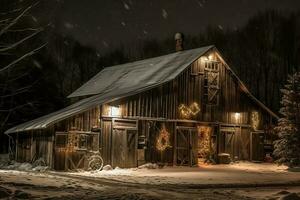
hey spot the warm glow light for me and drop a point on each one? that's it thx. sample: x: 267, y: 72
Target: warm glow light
x: 194, y: 108
x: 255, y: 120
x: 188, y: 111
x: 163, y: 140
x: 237, y: 116
x: 204, y: 58
x: 211, y: 56
x: 114, y: 111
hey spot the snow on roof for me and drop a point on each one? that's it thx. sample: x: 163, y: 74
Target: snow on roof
x: 139, y: 74
x: 119, y: 81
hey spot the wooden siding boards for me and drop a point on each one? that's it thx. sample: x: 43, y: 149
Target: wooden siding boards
x: 163, y: 101
x: 154, y: 107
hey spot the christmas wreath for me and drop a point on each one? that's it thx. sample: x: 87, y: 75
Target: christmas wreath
x: 163, y: 140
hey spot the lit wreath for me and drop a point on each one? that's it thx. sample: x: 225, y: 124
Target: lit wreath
x: 163, y: 140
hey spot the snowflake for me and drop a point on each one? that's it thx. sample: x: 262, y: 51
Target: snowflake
x: 68, y: 25
x: 123, y: 23
x: 145, y: 32
x: 220, y: 27
x: 164, y: 14
x: 105, y: 43
x: 126, y: 6
x: 200, y: 4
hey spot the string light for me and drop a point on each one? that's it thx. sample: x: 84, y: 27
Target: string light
x: 163, y: 140
x: 188, y: 111
x: 204, y: 142
x: 255, y: 120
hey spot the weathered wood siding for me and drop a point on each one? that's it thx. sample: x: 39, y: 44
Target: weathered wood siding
x: 189, y: 87
x: 84, y: 121
x: 35, y: 145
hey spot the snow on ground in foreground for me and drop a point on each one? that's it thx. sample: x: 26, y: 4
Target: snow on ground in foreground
x: 237, y: 173
x: 34, y: 185
x: 108, y: 183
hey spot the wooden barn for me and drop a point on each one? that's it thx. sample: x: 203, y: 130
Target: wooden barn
x: 178, y: 109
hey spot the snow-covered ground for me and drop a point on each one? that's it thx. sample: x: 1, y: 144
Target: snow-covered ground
x: 234, y: 181
x: 242, y: 173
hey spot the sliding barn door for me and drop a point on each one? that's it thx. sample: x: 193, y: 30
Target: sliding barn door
x: 124, y: 143
x: 186, y: 146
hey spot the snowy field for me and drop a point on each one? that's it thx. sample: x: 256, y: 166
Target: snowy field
x: 234, y: 181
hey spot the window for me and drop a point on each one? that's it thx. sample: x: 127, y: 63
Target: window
x: 211, y: 82
x: 61, y: 140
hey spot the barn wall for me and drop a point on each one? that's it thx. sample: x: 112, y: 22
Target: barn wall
x: 35, y: 145
x: 84, y: 121
x: 188, y: 88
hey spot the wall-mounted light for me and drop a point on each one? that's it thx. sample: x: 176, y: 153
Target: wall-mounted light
x: 204, y: 58
x: 114, y: 111
x: 237, y: 116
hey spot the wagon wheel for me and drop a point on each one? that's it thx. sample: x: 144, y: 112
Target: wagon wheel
x: 95, y: 163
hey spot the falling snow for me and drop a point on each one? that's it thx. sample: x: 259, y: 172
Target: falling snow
x: 105, y: 43
x: 220, y: 27
x: 69, y: 25
x: 164, y: 14
x: 123, y: 23
x: 126, y: 6
x: 145, y: 32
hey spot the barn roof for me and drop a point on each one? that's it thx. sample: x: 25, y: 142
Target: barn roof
x: 124, y: 80
x: 139, y: 74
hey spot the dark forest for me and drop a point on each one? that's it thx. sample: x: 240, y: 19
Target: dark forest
x: 262, y: 52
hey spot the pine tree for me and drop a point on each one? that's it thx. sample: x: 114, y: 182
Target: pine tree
x: 287, y: 147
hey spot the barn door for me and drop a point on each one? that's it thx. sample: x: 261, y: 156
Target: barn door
x: 105, y: 141
x: 118, y: 147
x: 131, y: 148
x: 227, y: 142
x: 124, y: 147
x: 257, y: 146
x: 186, y: 146
x: 124, y: 143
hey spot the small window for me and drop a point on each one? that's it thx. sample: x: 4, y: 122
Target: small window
x: 61, y: 141
x: 82, y: 141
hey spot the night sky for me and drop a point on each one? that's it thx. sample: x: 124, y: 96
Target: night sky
x: 108, y: 23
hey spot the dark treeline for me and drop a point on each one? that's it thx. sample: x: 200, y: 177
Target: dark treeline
x: 262, y: 52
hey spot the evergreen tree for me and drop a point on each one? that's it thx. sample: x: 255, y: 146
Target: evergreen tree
x: 287, y: 147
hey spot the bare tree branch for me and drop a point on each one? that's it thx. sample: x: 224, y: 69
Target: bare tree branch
x: 20, y: 41
x: 22, y: 57
x: 23, y: 30
x: 14, y: 21
x: 16, y: 107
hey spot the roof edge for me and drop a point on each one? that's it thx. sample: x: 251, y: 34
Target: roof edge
x: 245, y: 89
x: 209, y: 47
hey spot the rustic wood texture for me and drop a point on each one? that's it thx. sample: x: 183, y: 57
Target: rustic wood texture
x: 189, y: 87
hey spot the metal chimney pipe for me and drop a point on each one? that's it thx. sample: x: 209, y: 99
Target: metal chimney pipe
x: 179, y: 41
